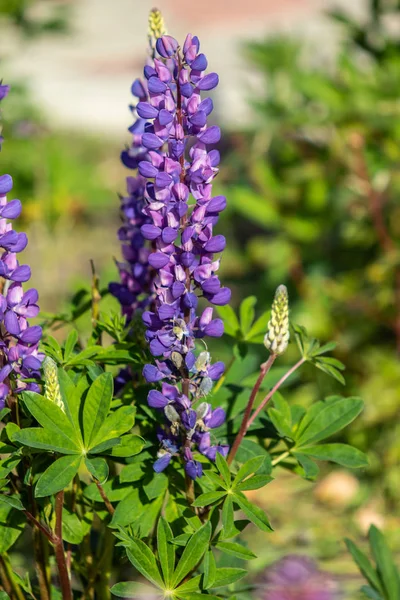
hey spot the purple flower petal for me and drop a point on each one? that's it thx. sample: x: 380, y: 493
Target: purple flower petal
x: 155, y: 399
x: 208, y: 82
x: 158, y: 260
x: 200, y: 63
x: 162, y: 463
x: 216, y: 370
x: 152, y: 141
x: 6, y: 184
x: 211, y: 135
x: 146, y: 110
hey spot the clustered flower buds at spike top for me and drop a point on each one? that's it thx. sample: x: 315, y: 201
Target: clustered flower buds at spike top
x: 179, y: 168
x: 277, y: 337
x: 156, y: 28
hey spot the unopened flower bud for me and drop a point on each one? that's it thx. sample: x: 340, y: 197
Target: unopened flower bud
x: 51, y: 385
x: 201, y: 411
x: 171, y: 414
x: 277, y: 337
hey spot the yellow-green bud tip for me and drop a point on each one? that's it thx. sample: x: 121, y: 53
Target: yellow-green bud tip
x: 276, y: 339
x: 156, y: 25
x: 51, y: 384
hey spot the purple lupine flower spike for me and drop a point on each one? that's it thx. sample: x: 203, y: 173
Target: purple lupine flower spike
x: 179, y: 166
x: 20, y: 358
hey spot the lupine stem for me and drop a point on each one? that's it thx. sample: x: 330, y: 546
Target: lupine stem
x: 274, y: 389
x: 65, y: 582
x: 105, y: 498
x: 265, y: 367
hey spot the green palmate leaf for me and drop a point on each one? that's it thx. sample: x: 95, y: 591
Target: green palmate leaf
x: 104, y: 447
x: 131, y: 473
x: 35, y: 437
x: 12, y: 501
x: 364, y: 565
x: 332, y: 418
x: 166, y: 550
x: 247, y: 313
x: 192, y: 585
x: 129, y: 509
x: 309, y: 469
x: 259, y: 328
x: 58, y: 476
x: 210, y: 569
x: 96, y: 407
x: 53, y: 348
x: 227, y: 575
x: 208, y: 498
x: 341, y: 454
x: 51, y: 417
x: 133, y: 589
x: 8, y: 464
x: 195, y: 596
x: 144, y: 561
x: 145, y: 524
x: 370, y: 593
x: 4, y: 596
x: 237, y: 550
x: 252, y: 512
x: 118, y: 423
x: 216, y: 480
x: 279, y: 422
x: 385, y: 563
x: 228, y: 521
x: 248, y: 468
x: 249, y: 449
x: 193, y: 552
x: 70, y: 344
x: 223, y: 468
x: 157, y: 486
x: 98, y: 467
x: 72, y: 530
x: 254, y: 483
x: 231, y: 323
x: 71, y: 398
x: 129, y: 445
x: 114, y: 490
x: 12, y: 524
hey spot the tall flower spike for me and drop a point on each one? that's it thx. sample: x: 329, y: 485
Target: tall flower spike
x: 276, y: 339
x: 19, y: 355
x: 179, y: 168
x: 136, y: 275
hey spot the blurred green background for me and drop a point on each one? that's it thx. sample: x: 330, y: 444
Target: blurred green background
x: 313, y: 186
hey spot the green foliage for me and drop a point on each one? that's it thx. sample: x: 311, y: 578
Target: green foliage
x: 384, y: 576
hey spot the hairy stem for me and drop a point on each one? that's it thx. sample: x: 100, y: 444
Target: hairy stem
x: 274, y: 389
x: 265, y: 367
x: 106, y: 501
x: 63, y: 574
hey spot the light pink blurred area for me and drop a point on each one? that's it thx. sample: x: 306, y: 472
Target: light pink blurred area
x: 82, y: 79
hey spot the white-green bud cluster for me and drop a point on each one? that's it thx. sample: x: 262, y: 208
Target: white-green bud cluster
x: 277, y: 337
x: 51, y: 384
